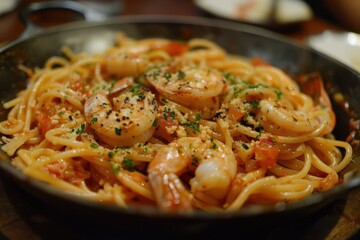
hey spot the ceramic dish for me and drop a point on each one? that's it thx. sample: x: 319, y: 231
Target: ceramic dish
x: 260, y: 12
x: 343, y: 46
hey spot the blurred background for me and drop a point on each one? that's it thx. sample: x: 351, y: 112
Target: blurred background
x: 297, y: 19
x: 329, y: 26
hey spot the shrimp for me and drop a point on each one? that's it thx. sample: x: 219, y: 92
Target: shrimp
x: 133, y: 59
x: 313, y: 85
x: 285, y: 121
x: 125, y: 63
x: 214, y: 166
x: 128, y: 120
x: 197, y: 88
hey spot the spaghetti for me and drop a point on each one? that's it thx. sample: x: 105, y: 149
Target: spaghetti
x: 179, y: 126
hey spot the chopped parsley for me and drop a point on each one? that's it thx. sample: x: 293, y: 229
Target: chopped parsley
x: 213, y: 144
x: 168, y: 111
x: 181, y: 75
x: 230, y: 78
x: 155, y: 74
x: 93, y: 120
x: 167, y: 75
x: 195, y: 126
x: 254, y: 104
x: 258, y: 136
x: 247, y: 86
x: 94, y: 145
x: 245, y: 146
x: 198, y: 117
x: 122, y: 147
x: 155, y: 123
x: 81, y: 129
x: 115, y: 167
x: 154, y: 67
x: 136, y: 90
x: 118, y: 131
x: 278, y: 94
x: 128, y: 164
x: 111, y: 154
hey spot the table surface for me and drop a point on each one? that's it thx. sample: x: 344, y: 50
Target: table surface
x: 19, y: 219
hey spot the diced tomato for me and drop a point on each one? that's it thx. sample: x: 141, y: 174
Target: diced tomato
x: 72, y: 172
x: 175, y: 48
x: 257, y: 61
x: 163, y: 125
x: 44, y: 123
x: 251, y: 166
x: 79, y: 173
x: 266, y: 153
x: 56, y: 169
x: 312, y: 84
x: 235, y: 114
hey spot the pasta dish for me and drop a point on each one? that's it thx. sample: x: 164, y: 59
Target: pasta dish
x: 180, y: 126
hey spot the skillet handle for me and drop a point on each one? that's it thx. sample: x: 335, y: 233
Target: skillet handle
x: 89, y: 14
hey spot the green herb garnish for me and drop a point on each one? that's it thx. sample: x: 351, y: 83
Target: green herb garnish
x: 118, y: 131
x: 94, y: 145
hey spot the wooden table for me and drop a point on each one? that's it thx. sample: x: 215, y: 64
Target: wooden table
x: 21, y: 219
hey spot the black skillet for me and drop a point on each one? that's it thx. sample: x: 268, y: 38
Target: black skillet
x: 241, y: 39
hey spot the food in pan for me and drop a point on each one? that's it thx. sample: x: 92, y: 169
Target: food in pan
x: 180, y: 126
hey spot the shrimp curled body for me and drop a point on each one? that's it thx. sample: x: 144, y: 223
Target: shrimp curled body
x: 194, y: 87
x: 128, y: 120
x: 290, y: 122
x: 215, y: 168
x: 123, y: 64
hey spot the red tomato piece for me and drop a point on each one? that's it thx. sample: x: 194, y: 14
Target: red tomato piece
x: 44, y: 123
x: 266, y: 153
x: 175, y: 48
x: 79, y: 173
x: 257, y: 61
x: 235, y: 114
x: 164, y: 124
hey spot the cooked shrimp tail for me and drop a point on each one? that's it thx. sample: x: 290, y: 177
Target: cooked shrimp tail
x: 171, y: 194
x: 210, y: 161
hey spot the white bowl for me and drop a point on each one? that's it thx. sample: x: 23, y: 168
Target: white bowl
x: 343, y: 46
x: 258, y: 11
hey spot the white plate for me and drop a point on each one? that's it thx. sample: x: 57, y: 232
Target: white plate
x: 258, y: 11
x: 7, y: 5
x: 343, y: 46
